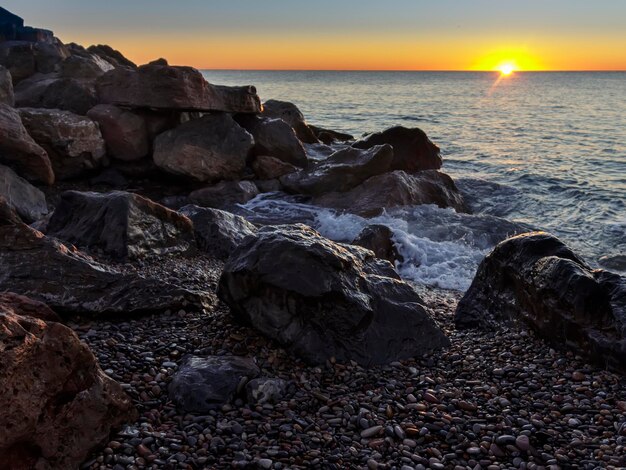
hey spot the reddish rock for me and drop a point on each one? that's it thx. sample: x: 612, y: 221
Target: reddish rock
x: 269, y: 168
x: 125, y: 132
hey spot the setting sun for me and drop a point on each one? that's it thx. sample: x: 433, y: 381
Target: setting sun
x: 506, y: 69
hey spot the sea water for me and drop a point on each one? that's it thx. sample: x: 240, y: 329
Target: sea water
x: 529, y: 151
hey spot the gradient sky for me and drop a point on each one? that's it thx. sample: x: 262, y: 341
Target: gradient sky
x: 346, y: 34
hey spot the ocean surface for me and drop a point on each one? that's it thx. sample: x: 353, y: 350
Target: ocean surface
x: 529, y: 151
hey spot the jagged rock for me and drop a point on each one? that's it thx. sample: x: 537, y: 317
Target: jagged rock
x: 19, y: 151
x: 44, y: 269
x: 11, y: 302
x: 379, y: 239
x: 328, y: 136
x: 120, y: 224
x: 534, y: 280
x: 73, y: 143
x: 52, y: 91
x: 269, y: 168
x: 56, y: 404
x: 274, y: 137
x: 28, y: 201
x: 83, y: 65
x: 321, y: 299
x: 6, y: 87
x: 25, y: 58
x: 125, y: 132
x: 111, y: 55
x: 168, y: 87
x: 265, y: 390
x: 225, y: 194
x: 203, y: 384
x: 211, y: 148
x: 395, y: 189
x: 412, y: 149
x: 217, y: 232
x: 12, y: 28
x: 342, y: 171
x: 290, y: 113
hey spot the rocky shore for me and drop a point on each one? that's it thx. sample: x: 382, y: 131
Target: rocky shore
x: 144, y: 324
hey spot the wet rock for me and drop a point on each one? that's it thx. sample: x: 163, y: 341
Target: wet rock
x: 613, y: 262
x: 321, y: 299
x: 400, y: 189
x: 120, y: 224
x: 342, y: 171
x: 160, y: 86
x: 211, y: 148
x: 125, y: 133
x: 290, y: 113
x: 265, y: 390
x: 217, y: 232
x: 28, y: 201
x: 74, y: 143
x: 274, y: 137
x: 412, y: 149
x: 202, y: 384
x: 19, y: 151
x: 225, y: 194
x: 56, y: 404
x: 328, y: 136
x: 44, y: 269
x: 379, y: 239
x: 6, y: 87
x: 269, y: 168
x: 111, y: 55
x: 534, y: 280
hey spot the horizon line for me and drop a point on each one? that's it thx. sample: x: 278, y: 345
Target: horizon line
x: 410, y: 70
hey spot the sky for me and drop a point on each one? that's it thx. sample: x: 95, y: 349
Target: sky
x: 346, y: 34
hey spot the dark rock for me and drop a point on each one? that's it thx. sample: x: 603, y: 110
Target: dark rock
x: 6, y: 87
x: 12, y: 28
x: 412, y: 149
x: 120, y: 224
x: 202, y: 384
x: 160, y: 61
x: 290, y: 113
x: 328, y: 136
x: 613, y: 262
x: 28, y: 201
x: 342, y: 171
x: 321, y: 299
x: 84, y: 66
x: 217, y: 232
x: 400, y: 189
x: 125, y: 132
x: 269, y: 168
x: 112, y: 56
x: 211, y: 148
x: 56, y: 404
x: 225, y: 194
x: 109, y: 177
x: 535, y: 280
x: 167, y: 87
x: 25, y: 58
x: 268, y: 186
x: 265, y: 390
x: 379, y: 239
x: 74, y: 143
x: 274, y: 137
x: 19, y: 151
x: 44, y: 269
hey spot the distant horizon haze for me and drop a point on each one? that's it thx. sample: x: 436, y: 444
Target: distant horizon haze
x: 351, y: 35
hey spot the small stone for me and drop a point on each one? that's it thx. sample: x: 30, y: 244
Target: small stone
x: 371, y: 432
x: 522, y: 443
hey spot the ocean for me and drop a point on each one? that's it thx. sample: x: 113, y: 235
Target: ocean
x: 529, y: 151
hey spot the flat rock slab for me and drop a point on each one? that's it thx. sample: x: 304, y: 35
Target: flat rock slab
x: 321, y: 299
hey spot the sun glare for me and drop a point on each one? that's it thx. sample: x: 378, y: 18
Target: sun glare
x: 506, y: 69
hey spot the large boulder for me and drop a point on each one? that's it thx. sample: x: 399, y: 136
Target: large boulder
x: 274, y: 137
x: 225, y: 194
x: 211, y: 148
x: 321, y: 299
x: 70, y: 282
x: 26, y: 58
x: 111, y: 55
x: 20, y: 151
x: 290, y: 113
x: 56, y: 404
x: 379, y: 239
x: 28, y: 201
x: 217, y: 232
x: 340, y: 172
x: 73, y: 143
x: 83, y: 65
x: 269, y: 168
x: 412, y: 149
x: 6, y: 87
x: 125, y: 132
x: 204, y: 384
x: 120, y: 224
x: 534, y: 280
x: 160, y: 86
x: 396, y: 189
x: 329, y: 136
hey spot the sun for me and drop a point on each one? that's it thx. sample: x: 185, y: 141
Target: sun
x: 506, y: 69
